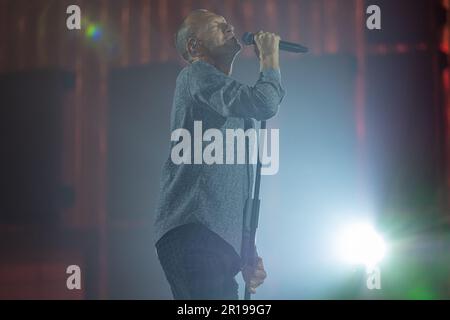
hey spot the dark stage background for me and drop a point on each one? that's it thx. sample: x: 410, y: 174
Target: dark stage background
x: 364, y: 130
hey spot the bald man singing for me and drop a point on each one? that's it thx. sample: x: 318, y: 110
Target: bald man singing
x: 200, y: 213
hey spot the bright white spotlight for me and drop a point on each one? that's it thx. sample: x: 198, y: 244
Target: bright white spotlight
x: 361, y: 244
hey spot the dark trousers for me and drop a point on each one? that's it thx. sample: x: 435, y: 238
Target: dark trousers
x: 198, y: 264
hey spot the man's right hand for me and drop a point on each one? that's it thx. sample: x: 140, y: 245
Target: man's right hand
x: 268, y: 50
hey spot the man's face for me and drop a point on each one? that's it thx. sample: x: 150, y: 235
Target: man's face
x: 217, y: 37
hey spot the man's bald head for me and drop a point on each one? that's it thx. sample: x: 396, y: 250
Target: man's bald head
x: 204, y: 33
x: 189, y: 29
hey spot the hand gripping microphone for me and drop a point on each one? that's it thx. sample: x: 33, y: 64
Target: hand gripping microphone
x: 249, y: 39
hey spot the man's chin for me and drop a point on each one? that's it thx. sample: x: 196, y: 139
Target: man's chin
x: 235, y: 45
x: 229, y: 50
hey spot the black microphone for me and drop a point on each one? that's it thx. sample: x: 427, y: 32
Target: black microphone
x: 249, y: 39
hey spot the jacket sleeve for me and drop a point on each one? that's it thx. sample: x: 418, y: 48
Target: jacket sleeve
x: 213, y: 89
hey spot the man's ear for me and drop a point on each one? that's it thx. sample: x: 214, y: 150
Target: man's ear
x: 192, y: 47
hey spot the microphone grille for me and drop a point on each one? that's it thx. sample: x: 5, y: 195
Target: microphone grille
x: 248, y: 38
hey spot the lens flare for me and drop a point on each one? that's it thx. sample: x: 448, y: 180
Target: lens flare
x: 93, y: 32
x: 359, y: 243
